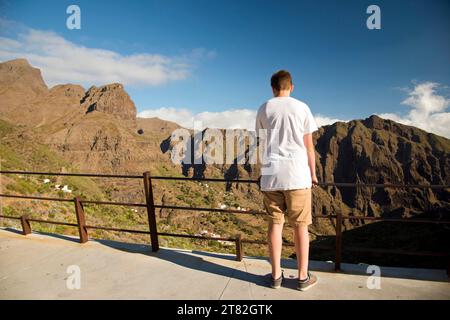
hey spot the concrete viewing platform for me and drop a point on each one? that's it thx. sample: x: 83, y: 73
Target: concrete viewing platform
x: 38, y: 266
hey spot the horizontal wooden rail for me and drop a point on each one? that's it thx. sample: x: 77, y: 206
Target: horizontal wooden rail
x: 9, y: 217
x: 322, y: 184
x: 205, y: 179
x: 117, y: 229
x: 410, y: 220
x: 91, y: 175
x: 124, y: 204
x: 180, y: 235
x: 53, y: 222
x: 3, y: 195
x: 210, y: 209
x: 382, y: 185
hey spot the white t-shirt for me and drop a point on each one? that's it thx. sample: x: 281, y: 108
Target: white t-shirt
x: 286, y: 120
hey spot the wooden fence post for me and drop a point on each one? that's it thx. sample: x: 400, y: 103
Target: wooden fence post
x: 26, y: 226
x: 239, y: 249
x: 148, y: 188
x: 81, y: 220
x: 338, y: 257
x: 448, y: 266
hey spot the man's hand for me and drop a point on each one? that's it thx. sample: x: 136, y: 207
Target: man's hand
x: 314, y: 181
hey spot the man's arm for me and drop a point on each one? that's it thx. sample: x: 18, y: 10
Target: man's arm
x: 308, y: 141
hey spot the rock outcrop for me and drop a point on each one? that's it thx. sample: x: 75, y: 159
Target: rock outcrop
x: 111, y: 99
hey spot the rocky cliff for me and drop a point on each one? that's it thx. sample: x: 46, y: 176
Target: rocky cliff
x: 111, y: 99
x: 375, y: 150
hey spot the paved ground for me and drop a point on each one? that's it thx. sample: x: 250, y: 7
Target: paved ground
x: 35, y: 267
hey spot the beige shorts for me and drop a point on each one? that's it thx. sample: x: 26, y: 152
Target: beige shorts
x: 295, y: 203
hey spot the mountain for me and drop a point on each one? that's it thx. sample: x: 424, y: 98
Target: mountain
x: 376, y: 150
x: 66, y: 128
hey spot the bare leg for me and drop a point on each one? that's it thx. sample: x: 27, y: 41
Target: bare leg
x: 301, y: 240
x: 275, y: 245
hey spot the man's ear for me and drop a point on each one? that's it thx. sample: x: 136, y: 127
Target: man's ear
x: 292, y: 88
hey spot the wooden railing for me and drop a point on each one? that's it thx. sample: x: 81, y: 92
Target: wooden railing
x: 238, y: 239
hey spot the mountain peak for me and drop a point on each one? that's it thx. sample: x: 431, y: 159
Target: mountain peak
x: 375, y: 122
x: 20, y: 62
x: 111, y: 98
x: 21, y: 84
x: 18, y: 73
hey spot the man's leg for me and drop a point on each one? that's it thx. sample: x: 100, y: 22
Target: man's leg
x: 299, y: 213
x: 301, y: 240
x: 275, y: 207
x: 275, y: 246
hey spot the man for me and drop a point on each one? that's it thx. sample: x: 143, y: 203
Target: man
x: 288, y: 173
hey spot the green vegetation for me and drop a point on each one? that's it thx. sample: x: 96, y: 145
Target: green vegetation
x: 22, y: 186
x: 5, y: 128
x: 9, y: 160
x: 21, y: 150
x: 42, y: 156
x: 84, y: 187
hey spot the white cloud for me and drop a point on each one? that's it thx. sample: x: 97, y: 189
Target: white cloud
x: 228, y: 119
x: 322, y: 120
x: 62, y: 61
x: 428, y: 109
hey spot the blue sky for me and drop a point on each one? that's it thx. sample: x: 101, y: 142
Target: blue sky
x: 221, y: 53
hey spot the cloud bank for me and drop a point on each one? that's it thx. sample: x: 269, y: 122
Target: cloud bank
x: 428, y: 109
x: 228, y: 119
x: 63, y: 61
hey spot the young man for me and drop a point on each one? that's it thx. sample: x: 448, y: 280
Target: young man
x: 288, y: 173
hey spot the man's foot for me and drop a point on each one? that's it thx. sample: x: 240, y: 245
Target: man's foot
x: 276, y: 283
x: 307, y: 283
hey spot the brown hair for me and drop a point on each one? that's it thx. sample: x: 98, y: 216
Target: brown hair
x: 281, y: 80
